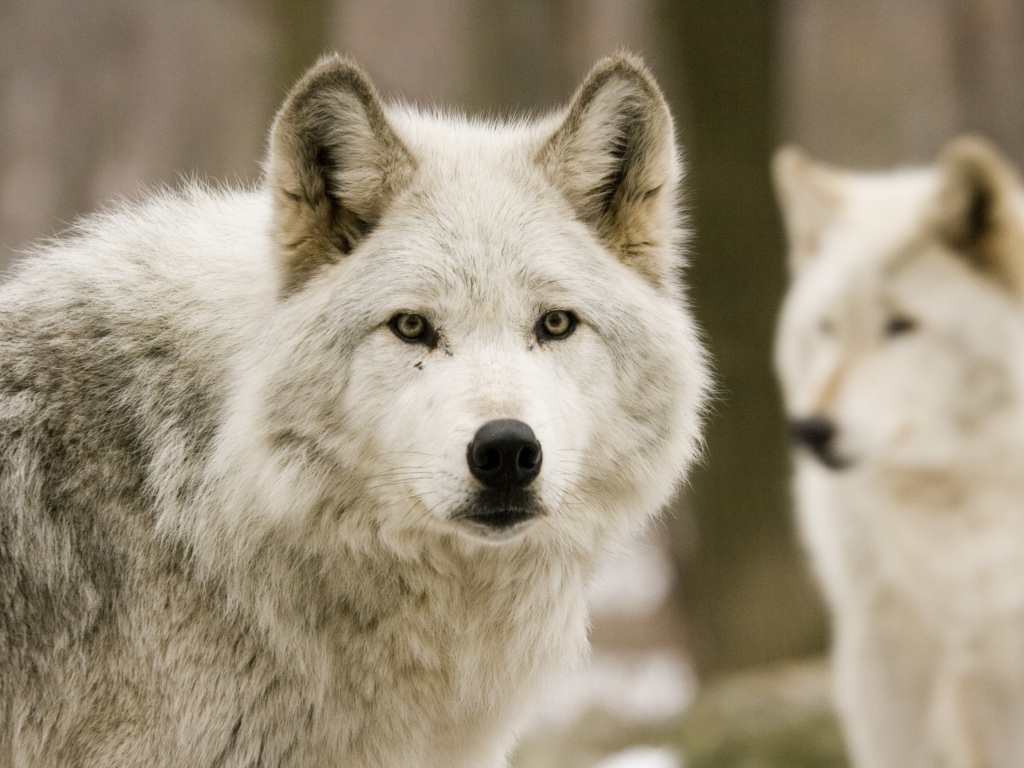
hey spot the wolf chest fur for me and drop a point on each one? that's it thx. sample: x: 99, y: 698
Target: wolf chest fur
x: 314, y: 474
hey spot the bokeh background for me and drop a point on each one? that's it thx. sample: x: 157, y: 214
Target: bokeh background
x: 101, y: 99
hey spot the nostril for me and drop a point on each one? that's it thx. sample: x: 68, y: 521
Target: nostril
x: 529, y: 457
x: 504, y: 454
x: 487, y: 459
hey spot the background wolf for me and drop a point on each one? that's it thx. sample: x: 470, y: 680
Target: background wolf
x: 314, y: 474
x: 901, y: 354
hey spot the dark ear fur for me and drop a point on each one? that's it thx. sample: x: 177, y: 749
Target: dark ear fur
x: 334, y: 164
x: 976, y: 213
x: 614, y: 158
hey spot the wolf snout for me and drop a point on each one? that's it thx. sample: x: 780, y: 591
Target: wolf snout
x: 818, y: 434
x: 504, y: 455
x: 814, y: 432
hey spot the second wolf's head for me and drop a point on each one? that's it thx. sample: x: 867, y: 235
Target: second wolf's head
x: 901, y: 340
x: 480, y: 328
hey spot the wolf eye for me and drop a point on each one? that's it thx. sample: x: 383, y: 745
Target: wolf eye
x: 556, y: 324
x: 898, y: 325
x: 412, y: 328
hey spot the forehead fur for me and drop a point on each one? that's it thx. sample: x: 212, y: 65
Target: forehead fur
x: 448, y: 133
x: 876, y: 218
x: 475, y: 175
x: 878, y: 214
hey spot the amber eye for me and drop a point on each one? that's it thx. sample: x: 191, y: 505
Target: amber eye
x: 412, y: 328
x: 556, y: 324
x: 898, y: 325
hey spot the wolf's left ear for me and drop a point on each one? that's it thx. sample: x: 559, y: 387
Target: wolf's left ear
x: 809, y: 194
x: 334, y: 164
x: 614, y: 158
x: 978, y: 212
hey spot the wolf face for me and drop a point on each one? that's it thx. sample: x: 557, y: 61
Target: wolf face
x: 892, y: 343
x: 500, y: 306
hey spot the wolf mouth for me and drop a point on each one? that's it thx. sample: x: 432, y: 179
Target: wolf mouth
x: 832, y: 460
x: 499, y: 512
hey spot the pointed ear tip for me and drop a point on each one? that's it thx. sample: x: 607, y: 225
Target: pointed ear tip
x: 625, y: 65
x: 332, y: 60
x: 333, y: 69
x: 788, y: 161
x: 972, y: 153
x: 620, y: 58
x: 967, y: 143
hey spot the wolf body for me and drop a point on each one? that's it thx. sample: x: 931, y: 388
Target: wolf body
x: 900, y: 350
x: 314, y: 474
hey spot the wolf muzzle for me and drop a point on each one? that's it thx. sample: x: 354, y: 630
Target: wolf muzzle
x: 817, y: 434
x: 505, y: 458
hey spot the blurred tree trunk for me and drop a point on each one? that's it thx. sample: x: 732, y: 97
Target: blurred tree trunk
x: 745, y: 589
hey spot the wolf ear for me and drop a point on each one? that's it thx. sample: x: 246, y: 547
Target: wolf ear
x: 977, y: 213
x: 334, y: 164
x: 614, y: 158
x: 808, y: 193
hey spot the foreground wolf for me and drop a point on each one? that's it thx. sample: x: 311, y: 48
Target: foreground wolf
x: 901, y: 354
x: 314, y: 475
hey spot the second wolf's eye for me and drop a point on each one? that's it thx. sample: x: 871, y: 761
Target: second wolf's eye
x: 412, y: 328
x: 556, y: 324
x: 898, y: 325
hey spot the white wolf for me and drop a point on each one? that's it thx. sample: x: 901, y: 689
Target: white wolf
x: 901, y: 354
x: 314, y: 474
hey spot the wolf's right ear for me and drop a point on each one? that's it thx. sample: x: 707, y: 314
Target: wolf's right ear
x: 334, y: 164
x: 614, y: 158
x: 978, y: 212
x: 808, y: 193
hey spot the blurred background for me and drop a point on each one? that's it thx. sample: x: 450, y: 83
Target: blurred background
x: 699, y: 626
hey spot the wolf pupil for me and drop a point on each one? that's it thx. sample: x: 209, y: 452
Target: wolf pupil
x: 409, y: 327
x: 898, y: 325
x: 557, y: 324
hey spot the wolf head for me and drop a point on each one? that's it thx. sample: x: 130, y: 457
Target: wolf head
x: 480, y: 328
x: 900, y: 340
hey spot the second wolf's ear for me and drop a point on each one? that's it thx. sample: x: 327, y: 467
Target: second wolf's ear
x: 808, y: 193
x: 614, y: 158
x: 977, y: 212
x: 334, y: 164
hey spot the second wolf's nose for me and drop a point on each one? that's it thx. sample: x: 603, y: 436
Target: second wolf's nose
x: 816, y: 432
x: 504, y: 454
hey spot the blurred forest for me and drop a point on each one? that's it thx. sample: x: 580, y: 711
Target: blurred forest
x: 100, y: 99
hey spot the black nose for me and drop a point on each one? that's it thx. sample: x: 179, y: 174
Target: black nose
x: 815, y: 432
x: 504, y: 454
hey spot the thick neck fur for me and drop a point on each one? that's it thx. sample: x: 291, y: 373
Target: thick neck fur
x: 452, y: 634
x: 948, y: 540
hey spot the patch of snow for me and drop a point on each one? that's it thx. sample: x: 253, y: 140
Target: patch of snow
x: 642, y: 757
x: 640, y: 687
